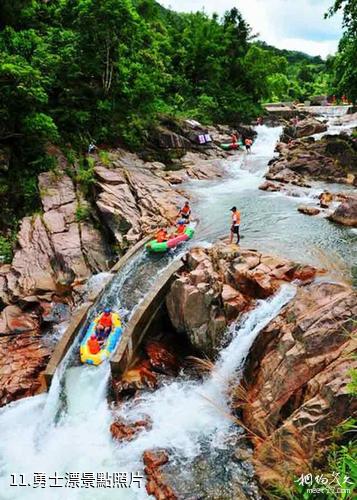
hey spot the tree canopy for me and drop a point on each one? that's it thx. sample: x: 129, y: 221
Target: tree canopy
x: 72, y: 71
x: 344, y: 65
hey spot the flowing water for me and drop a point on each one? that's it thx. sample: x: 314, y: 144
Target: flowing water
x: 67, y: 430
x: 43, y: 438
x: 270, y: 221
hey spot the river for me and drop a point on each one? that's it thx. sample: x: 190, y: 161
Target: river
x: 270, y: 221
x: 67, y: 430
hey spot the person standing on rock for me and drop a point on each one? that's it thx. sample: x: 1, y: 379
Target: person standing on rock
x: 91, y: 148
x: 235, y: 225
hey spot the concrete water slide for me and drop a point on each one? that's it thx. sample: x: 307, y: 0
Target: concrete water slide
x: 137, y: 326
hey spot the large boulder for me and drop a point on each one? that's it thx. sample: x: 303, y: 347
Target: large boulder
x: 307, y: 210
x: 332, y: 158
x: 296, y: 379
x: 59, y: 200
x: 270, y: 186
x: 281, y: 173
x: 166, y: 139
x: 22, y: 360
x: 118, y: 210
x: 31, y: 269
x: 303, y: 128
x: 346, y: 213
x: 220, y: 283
x: 134, y: 197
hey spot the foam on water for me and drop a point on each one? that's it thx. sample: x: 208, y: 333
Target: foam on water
x: 67, y: 430
x: 78, y: 439
x: 184, y: 413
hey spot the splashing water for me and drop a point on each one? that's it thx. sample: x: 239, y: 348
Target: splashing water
x: 78, y: 438
x: 270, y: 221
x: 67, y: 430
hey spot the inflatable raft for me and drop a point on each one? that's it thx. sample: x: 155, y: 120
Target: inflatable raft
x: 231, y: 145
x: 108, y: 346
x: 155, y: 246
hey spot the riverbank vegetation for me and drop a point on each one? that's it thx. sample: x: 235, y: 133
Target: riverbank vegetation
x: 76, y: 71
x: 344, y: 66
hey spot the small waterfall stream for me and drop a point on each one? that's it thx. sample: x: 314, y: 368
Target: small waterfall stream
x: 67, y: 430
x: 186, y: 416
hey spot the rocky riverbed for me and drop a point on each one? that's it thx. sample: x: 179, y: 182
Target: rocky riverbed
x: 302, y: 160
x: 293, y: 389
x: 82, y: 229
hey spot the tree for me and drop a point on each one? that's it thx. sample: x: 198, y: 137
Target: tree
x: 345, y: 69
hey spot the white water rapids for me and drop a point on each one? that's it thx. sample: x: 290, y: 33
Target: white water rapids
x: 67, y: 430
x: 78, y: 438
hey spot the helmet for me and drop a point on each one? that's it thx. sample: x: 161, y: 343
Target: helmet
x: 93, y: 336
x: 181, y: 222
x: 107, y: 310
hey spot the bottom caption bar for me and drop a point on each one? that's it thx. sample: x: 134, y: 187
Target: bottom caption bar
x: 78, y: 480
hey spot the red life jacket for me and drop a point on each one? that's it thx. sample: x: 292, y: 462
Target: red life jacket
x: 161, y: 236
x: 185, y: 210
x: 106, y: 320
x: 93, y: 346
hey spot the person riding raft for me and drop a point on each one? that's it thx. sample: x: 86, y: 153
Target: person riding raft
x: 104, y: 325
x: 161, y: 235
x: 181, y: 227
x: 93, y: 344
x: 185, y: 212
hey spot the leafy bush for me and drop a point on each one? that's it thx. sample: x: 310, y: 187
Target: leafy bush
x: 104, y: 157
x: 41, y: 126
x: 85, y: 174
x: 5, y: 250
x: 82, y: 213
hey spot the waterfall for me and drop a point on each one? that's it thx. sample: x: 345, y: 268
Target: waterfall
x: 182, y: 414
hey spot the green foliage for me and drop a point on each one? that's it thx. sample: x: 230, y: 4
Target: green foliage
x: 85, y: 174
x: 104, y: 157
x: 352, y: 386
x: 82, y: 213
x: 41, y: 126
x: 5, y: 250
x: 300, y: 76
x: 72, y: 71
x: 344, y: 65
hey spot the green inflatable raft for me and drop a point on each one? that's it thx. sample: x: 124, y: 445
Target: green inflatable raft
x: 231, y: 146
x: 155, y: 246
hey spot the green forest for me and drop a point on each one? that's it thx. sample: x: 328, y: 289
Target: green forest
x: 72, y: 71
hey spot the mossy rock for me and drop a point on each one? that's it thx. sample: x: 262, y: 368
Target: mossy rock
x: 338, y: 147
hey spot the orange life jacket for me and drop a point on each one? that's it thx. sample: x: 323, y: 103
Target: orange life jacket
x: 236, y: 218
x: 161, y: 236
x: 93, y: 346
x: 106, y: 320
x: 185, y: 210
x: 181, y: 228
